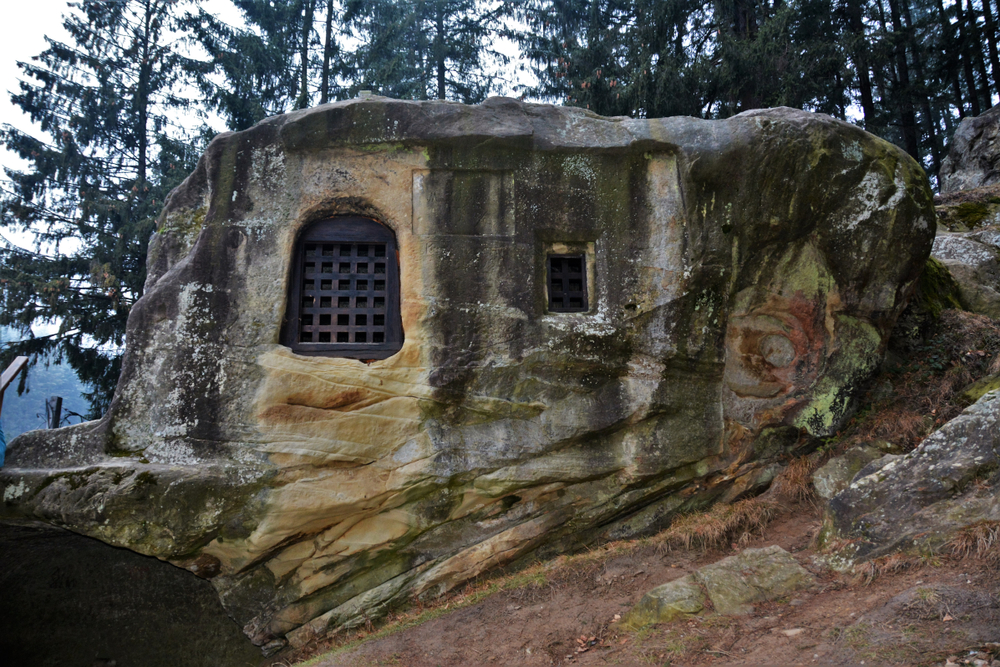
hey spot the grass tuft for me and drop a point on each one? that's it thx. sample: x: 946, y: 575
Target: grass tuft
x: 719, y: 526
x: 795, y: 481
x: 869, y: 571
x: 980, y: 540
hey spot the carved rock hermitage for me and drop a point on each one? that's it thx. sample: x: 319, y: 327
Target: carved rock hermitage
x: 385, y: 346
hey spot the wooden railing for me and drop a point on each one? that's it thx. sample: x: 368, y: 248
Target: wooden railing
x: 8, y: 376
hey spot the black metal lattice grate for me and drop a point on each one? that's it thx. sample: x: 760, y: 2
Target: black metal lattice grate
x: 567, y: 282
x: 343, y: 293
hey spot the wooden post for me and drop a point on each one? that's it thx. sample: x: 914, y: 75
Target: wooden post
x: 53, y: 411
x: 8, y: 376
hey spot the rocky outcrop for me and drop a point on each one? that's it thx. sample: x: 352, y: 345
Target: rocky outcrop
x: 836, y: 474
x: 969, y: 210
x: 973, y: 159
x: 742, y: 278
x: 973, y: 259
x: 733, y: 585
x: 918, y: 500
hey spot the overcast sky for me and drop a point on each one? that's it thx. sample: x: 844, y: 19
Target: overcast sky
x: 22, y: 35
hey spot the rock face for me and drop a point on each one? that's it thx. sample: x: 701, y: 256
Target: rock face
x: 973, y: 259
x: 836, y: 474
x: 733, y: 585
x: 973, y: 159
x: 71, y: 600
x: 741, y: 278
x: 916, y: 500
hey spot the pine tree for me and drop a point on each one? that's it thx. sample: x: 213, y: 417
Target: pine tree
x: 426, y: 49
x: 94, y: 183
x: 694, y: 57
x: 258, y: 62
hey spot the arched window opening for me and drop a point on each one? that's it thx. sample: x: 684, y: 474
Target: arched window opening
x: 344, y: 291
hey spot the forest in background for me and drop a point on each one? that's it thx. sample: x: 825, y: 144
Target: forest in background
x: 124, y: 107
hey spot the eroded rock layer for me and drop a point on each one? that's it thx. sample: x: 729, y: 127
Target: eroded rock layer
x: 742, y: 276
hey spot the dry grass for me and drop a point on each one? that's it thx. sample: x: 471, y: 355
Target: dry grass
x: 795, y: 481
x: 896, y: 424
x: 420, y: 612
x: 719, y: 526
x: 871, y: 570
x: 980, y: 540
x: 926, y: 382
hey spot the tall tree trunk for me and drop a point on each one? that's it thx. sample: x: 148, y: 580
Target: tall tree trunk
x: 951, y: 63
x: 991, y: 41
x: 856, y: 26
x: 884, y: 73
x: 930, y: 118
x: 142, y: 98
x: 977, y: 52
x: 746, y: 29
x: 307, y: 22
x: 907, y: 114
x: 967, y: 66
x: 324, y: 88
x: 439, y: 48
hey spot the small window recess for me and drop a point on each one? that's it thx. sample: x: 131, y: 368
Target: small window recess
x: 343, y: 298
x: 569, y: 277
x: 567, y: 283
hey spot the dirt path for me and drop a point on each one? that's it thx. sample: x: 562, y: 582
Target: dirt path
x: 920, y: 615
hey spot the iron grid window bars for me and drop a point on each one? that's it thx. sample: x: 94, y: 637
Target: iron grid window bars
x: 344, y: 291
x: 567, y: 284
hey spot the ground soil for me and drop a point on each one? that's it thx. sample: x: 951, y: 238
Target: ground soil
x: 931, y: 610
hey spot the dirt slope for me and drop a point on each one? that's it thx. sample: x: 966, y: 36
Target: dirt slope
x: 562, y: 612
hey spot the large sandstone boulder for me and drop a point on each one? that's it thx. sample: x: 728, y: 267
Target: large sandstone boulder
x: 973, y: 159
x: 918, y: 500
x: 742, y: 276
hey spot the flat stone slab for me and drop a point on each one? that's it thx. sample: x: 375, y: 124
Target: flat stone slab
x: 755, y: 575
x: 733, y: 585
x: 667, y: 602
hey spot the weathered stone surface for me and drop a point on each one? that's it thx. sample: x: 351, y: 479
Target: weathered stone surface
x: 72, y: 600
x: 668, y: 602
x: 973, y: 159
x: 973, y: 259
x: 980, y: 388
x: 733, y: 584
x: 968, y: 210
x: 836, y: 474
x: 916, y: 500
x: 746, y: 273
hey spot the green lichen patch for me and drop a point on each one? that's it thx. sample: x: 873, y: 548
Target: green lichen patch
x: 183, y: 223
x: 980, y: 388
x: 968, y: 209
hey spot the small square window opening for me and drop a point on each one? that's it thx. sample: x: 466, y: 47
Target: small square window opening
x: 567, y: 284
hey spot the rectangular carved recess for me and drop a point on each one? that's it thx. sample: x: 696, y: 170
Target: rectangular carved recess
x: 343, y: 293
x: 567, y: 277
